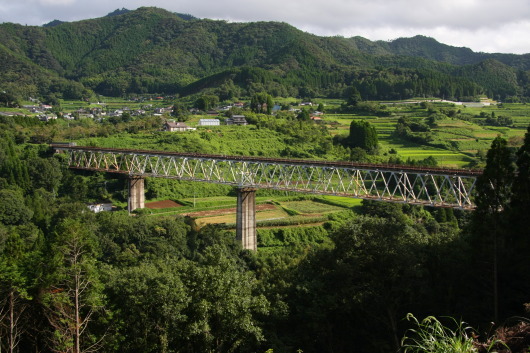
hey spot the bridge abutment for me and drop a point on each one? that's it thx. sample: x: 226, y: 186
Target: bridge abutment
x: 136, y: 193
x: 246, y: 218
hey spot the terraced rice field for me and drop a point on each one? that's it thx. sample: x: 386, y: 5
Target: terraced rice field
x: 230, y: 216
x: 386, y: 126
x: 463, y: 138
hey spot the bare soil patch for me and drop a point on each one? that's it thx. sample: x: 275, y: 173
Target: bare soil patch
x: 162, y: 204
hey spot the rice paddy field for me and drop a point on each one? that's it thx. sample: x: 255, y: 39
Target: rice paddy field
x: 222, y: 210
x: 461, y: 139
x: 271, y: 212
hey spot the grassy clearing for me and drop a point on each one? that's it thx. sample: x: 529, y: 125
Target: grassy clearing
x: 311, y: 207
x: 345, y: 202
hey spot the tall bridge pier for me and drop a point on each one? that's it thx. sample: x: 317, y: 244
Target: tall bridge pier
x: 246, y: 218
x: 136, y: 193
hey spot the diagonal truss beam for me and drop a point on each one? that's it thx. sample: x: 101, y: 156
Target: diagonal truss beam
x: 430, y: 187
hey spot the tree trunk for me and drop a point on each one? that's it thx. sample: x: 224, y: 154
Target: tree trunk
x: 12, y: 328
x: 77, y: 319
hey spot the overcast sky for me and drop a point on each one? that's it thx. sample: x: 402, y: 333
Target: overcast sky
x: 493, y: 26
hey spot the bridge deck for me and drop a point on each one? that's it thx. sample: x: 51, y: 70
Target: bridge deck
x: 438, y: 187
x: 385, y: 166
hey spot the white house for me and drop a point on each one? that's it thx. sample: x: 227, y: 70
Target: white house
x: 236, y: 120
x: 100, y: 207
x: 178, y: 126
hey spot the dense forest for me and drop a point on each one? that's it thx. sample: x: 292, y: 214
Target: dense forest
x: 75, y: 281
x: 150, y: 50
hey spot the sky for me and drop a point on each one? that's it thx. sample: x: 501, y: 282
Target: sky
x: 491, y: 26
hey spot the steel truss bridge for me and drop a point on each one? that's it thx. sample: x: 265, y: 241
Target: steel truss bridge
x: 434, y: 187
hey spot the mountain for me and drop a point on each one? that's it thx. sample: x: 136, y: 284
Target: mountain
x: 429, y: 48
x: 118, y: 12
x: 53, y: 23
x: 150, y: 50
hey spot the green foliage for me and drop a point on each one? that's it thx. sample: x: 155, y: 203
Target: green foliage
x: 73, y: 294
x: 206, y: 102
x: 180, y: 111
x: 224, y: 305
x: 291, y: 236
x: 45, y: 173
x: 12, y: 167
x: 19, y: 259
x: 150, y: 298
x: 431, y: 336
x: 13, y: 211
x: 363, y: 135
x: 494, y: 185
x: 261, y: 103
x: 414, y: 131
x: 8, y: 100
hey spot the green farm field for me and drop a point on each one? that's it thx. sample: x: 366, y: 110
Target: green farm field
x: 304, y: 209
x: 404, y: 149
x: 455, y: 143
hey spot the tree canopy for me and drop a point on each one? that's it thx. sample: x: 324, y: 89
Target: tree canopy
x: 362, y: 135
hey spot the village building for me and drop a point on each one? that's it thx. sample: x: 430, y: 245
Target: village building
x: 209, y: 122
x: 47, y: 117
x: 161, y: 110
x: 178, y: 126
x: 236, y: 120
x: 100, y: 207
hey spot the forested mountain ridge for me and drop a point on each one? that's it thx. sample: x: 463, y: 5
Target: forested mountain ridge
x: 156, y: 51
x: 429, y: 48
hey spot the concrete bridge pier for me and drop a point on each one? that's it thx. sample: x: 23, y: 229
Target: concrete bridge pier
x: 246, y: 218
x: 136, y: 193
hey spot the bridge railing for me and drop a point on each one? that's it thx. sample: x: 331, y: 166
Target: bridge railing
x: 425, y: 186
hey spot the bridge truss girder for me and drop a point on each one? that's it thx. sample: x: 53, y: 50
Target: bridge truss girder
x: 414, y: 187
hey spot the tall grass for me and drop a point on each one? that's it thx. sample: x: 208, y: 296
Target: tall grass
x: 431, y: 336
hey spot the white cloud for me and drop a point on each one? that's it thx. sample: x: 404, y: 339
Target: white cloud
x: 56, y: 2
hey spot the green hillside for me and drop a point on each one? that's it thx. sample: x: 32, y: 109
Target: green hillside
x: 151, y: 50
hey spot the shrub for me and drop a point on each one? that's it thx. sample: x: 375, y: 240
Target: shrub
x: 432, y: 336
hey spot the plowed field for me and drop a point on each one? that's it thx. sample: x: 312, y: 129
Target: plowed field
x: 162, y: 204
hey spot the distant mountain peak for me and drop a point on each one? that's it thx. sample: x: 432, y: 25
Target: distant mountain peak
x: 186, y: 16
x: 53, y: 23
x: 118, y: 12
